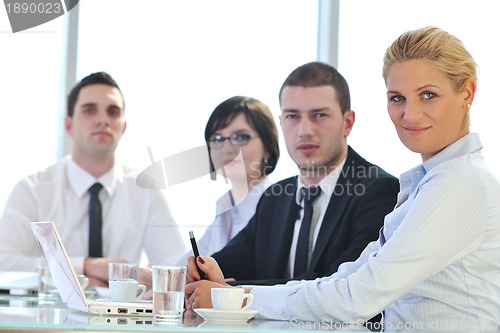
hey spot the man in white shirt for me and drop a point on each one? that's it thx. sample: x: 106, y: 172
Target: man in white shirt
x: 133, y: 219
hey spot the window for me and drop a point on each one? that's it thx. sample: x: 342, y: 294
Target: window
x: 31, y: 75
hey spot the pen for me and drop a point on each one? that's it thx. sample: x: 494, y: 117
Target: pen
x: 203, y: 276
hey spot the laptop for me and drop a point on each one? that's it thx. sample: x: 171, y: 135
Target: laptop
x: 67, y: 283
x: 74, y: 317
x: 19, y: 283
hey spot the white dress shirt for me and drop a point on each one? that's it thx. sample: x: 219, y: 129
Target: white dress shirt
x: 230, y: 218
x: 435, y: 265
x: 134, y: 219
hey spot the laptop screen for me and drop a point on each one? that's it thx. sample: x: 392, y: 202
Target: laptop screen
x: 59, y: 264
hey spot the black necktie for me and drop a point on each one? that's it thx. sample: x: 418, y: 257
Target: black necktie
x: 302, y: 251
x: 95, y: 222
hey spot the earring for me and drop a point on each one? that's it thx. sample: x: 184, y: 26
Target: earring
x: 468, y: 105
x: 265, y: 161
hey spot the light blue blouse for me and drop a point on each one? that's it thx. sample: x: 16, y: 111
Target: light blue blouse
x: 230, y: 219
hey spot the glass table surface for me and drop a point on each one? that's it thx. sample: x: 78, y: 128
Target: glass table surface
x: 30, y: 313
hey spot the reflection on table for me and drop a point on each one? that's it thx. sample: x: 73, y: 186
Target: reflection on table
x: 22, y: 313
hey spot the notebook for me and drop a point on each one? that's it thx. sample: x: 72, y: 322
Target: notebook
x: 19, y: 283
x: 67, y: 283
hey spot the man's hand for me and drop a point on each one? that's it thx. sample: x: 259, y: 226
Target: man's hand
x: 145, y: 277
x: 94, y: 282
x: 96, y: 269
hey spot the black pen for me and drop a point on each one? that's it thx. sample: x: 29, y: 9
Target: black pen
x: 203, y: 276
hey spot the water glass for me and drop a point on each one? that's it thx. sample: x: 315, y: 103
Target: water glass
x: 168, y: 294
x: 45, y: 282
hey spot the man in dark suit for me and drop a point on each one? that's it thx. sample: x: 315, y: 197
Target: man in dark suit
x: 260, y: 253
x: 354, y: 195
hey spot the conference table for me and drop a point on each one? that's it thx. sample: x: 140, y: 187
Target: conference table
x: 31, y: 313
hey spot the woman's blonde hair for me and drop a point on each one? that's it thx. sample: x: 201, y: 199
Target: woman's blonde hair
x: 446, y: 52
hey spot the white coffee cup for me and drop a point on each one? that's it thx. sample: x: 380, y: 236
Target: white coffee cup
x: 126, y: 290
x: 230, y: 299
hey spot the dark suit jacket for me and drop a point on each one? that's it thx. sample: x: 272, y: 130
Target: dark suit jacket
x: 259, y: 254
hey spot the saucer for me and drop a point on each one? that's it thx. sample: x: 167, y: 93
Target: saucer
x: 213, y: 315
x: 224, y: 324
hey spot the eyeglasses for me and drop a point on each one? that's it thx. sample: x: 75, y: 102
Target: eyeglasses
x: 236, y: 139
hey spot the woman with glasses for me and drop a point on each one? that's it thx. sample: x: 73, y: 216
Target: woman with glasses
x: 242, y: 141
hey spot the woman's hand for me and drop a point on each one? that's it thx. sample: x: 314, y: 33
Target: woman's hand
x: 198, y: 294
x: 209, y: 266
